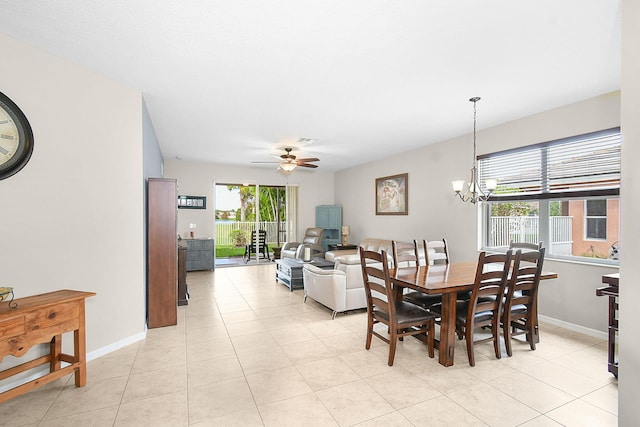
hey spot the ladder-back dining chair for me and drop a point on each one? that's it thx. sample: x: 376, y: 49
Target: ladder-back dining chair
x: 520, y: 307
x: 401, y: 318
x: 484, y: 308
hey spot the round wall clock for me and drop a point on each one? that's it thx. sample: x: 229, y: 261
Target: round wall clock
x: 16, y: 138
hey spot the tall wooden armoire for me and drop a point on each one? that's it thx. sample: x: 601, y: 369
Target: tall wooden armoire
x: 162, y: 249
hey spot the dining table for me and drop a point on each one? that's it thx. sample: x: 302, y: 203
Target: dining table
x: 448, y: 280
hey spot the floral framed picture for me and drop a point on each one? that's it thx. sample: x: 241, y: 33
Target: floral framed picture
x: 392, y: 195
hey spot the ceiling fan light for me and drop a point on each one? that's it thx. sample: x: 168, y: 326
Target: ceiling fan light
x: 287, y: 166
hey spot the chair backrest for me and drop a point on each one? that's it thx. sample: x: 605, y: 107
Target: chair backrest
x: 258, y: 238
x: 377, y: 285
x: 490, y: 283
x: 441, y: 251
x: 525, y: 276
x: 313, y: 236
x: 525, y: 246
x: 405, y: 254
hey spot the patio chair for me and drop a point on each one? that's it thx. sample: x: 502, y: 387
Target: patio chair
x: 257, y: 246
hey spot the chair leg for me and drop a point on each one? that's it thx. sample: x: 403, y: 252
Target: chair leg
x: 393, y: 339
x: 469, y: 338
x: 431, y: 330
x: 506, y: 328
x: 531, y: 336
x: 304, y: 300
x: 496, y: 338
x: 369, y: 333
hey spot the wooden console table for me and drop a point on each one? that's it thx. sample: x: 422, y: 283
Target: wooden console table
x: 611, y: 291
x: 40, y: 319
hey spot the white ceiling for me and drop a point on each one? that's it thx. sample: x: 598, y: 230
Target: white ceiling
x: 233, y: 81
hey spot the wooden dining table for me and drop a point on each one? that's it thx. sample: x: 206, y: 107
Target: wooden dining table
x: 448, y: 280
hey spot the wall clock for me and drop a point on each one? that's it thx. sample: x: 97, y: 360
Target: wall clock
x: 16, y: 138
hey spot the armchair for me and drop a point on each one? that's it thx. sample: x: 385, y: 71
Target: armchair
x: 333, y: 289
x: 312, y: 239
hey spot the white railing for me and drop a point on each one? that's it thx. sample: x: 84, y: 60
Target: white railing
x: 223, y: 230
x: 525, y: 229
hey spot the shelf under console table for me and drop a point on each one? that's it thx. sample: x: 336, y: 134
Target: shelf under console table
x: 42, y: 319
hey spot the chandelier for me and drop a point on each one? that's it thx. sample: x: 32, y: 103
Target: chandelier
x: 473, y: 192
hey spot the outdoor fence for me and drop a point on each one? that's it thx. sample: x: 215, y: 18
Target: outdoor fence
x: 224, y: 237
x: 525, y: 229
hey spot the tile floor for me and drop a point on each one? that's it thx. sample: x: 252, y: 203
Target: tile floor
x: 247, y: 352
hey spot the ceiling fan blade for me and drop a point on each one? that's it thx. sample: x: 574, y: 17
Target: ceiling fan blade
x: 310, y: 159
x: 307, y: 165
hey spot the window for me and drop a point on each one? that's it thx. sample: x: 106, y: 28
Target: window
x: 595, y: 219
x: 563, y: 193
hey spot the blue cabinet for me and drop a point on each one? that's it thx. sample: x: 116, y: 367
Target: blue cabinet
x: 329, y: 217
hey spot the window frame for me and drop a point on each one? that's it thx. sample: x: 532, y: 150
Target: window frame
x: 587, y: 217
x: 610, y: 190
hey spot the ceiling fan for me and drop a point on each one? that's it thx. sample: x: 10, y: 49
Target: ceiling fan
x: 289, y: 162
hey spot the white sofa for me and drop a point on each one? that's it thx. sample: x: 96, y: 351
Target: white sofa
x: 333, y: 289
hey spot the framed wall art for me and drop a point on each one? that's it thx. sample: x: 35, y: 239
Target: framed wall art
x: 392, y: 195
x: 192, y: 202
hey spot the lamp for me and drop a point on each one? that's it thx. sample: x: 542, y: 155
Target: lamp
x: 288, y: 165
x: 474, y: 192
x: 345, y: 234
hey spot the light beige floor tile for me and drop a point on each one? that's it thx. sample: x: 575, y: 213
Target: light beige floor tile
x: 94, y: 395
x: 252, y: 342
x: 345, y: 343
x: 325, y: 373
x: 354, y: 403
x: 303, y: 410
x: 394, y: 419
x: 604, y: 398
x: 239, y: 316
x: 440, y: 411
x: 532, y: 392
x: 368, y: 363
x: 154, y: 383
x: 307, y: 351
x: 248, y: 327
x: 213, y: 332
x: 156, y: 360
x: 218, y: 400
x: 448, y: 380
x: 590, y: 362
x: 326, y: 329
x: 104, y: 417
x: 401, y: 388
x: 211, y: 349
x: 564, y: 379
x: 580, y: 414
x: 31, y: 407
x: 492, y: 406
x: 246, y: 418
x: 266, y: 359
x: 541, y: 421
x: 167, y: 410
x: 213, y: 371
x: 275, y: 385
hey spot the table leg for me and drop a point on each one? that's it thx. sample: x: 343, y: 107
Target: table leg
x: 447, y: 329
x: 55, y: 348
x: 80, y: 349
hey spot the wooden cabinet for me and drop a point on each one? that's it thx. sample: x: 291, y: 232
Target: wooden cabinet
x: 162, y: 252
x: 200, y: 254
x: 329, y: 217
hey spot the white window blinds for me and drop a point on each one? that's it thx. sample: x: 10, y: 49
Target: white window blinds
x: 585, y: 165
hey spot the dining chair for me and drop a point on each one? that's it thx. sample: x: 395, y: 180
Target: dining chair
x: 524, y: 246
x: 520, y: 306
x: 417, y: 297
x: 404, y: 254
x: 439, y: 251
x: 402, y: 318
x: 484, y: 308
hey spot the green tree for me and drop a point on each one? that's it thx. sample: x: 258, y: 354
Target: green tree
x: 247, y: 197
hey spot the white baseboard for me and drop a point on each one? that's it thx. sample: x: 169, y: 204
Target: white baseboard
x: 573, y: 327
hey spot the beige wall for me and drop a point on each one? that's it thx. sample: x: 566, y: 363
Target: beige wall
x: 198, y: 179
x: 72, y: 218
x: 435, y: 213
